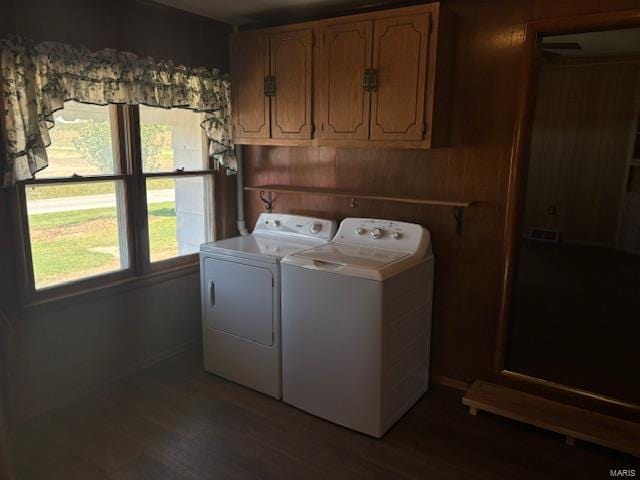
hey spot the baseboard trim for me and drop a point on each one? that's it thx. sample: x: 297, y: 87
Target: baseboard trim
x: 20, y: 416
x: 450, y: 382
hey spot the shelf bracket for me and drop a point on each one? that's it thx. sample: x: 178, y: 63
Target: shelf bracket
x: 268, y: 201
x: 459, y: 216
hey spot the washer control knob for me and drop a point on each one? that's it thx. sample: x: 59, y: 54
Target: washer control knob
x: 360, y: 231
x: 276, y: 223
x: 396, y: 235
x: 315, y: 227
x: 376, y: 233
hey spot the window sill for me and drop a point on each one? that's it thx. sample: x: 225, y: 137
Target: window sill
x: 117, y: 287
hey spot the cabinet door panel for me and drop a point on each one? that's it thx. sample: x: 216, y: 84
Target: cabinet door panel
x: 345, y: 105
x: 249, y: 67
x: 291, y: 65
x: 400, y: 50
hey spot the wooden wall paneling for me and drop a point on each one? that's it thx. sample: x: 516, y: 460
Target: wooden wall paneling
x: 578, y: 153
x: 400, y: 53
x: 440, y: 83
x: 519, y: 153
x: 257, y: 170
x: 326, y: 177
x: 480, y: 253
x: 488, y: 55
x: 564, y: 8
x: 629, y: 223
x: 315, y: 169
x: 545, y: 145
x: 344, y: 105
x: 436, y: 175
x: 486, y: 80
x: 482, y: 120
x: 299, y: 166
x: 292, y: 67
x: 613, y: 157
x: 562, y: 133
x: 249, y: 68
x: 225, y: 189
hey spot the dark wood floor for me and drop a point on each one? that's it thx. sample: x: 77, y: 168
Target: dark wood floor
x: 173, y: 421
x: 582, y: 303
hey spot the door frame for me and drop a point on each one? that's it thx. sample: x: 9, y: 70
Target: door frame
x: 515, y: 201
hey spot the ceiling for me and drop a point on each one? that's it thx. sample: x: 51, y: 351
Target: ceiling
x: 251, y: 11
x: 607, y: 42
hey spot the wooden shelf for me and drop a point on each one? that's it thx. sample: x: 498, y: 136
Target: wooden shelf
x: 457, y: 205
x: 355, y: 195
x: 325, y: 142
x: 572, y: 422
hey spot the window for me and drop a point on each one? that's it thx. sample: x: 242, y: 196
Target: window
x: 121, y: 197
x: 178, y: 213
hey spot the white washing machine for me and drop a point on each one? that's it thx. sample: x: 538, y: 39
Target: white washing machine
x: 240, y: 290
x: 356, y: 324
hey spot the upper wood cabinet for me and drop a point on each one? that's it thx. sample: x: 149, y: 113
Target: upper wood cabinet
x: 344, y: 102
x: 249, y: 68
x: 400, y: 51
x: 271, y: 82
x: 375, y: 79
x: 291, y: 71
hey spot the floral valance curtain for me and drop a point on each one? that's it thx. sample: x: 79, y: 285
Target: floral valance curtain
x: 37, y: 78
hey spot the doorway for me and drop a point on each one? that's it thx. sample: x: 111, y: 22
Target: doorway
x: 571, y: 312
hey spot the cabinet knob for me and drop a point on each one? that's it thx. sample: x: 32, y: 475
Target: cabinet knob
x: 373, y: 83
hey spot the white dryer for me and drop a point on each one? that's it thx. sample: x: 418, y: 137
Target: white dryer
x: 356, y: 324
x: 240, y: 290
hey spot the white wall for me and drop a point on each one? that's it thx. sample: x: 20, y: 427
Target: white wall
x: 63, y: 353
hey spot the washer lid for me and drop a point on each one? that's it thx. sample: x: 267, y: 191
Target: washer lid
x: 354, y: 255
x: 260, y: 247
x: 355, y: 261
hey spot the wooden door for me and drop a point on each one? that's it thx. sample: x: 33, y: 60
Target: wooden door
x: 344, y: 101
x: 291, y: 68
x: 400, y: 50
x: 249, y: 67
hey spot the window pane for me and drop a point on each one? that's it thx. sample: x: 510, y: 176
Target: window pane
x: 73, y: 238
x: 179, y: 213
x: 81, y: 142
x: 171, y: 139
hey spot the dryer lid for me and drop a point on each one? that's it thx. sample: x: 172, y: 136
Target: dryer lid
x: 265, y: 248
x: 275, y: 236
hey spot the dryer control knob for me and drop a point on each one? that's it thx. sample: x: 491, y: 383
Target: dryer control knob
x: 396, y: 235
x: 315, y: 227
x: 276, y: 223
x: 360, y: 231
x: 376, y: 233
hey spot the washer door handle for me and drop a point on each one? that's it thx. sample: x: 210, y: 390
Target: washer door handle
x: 212, y: 293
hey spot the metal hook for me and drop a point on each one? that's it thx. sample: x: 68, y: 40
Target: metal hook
x: 267, y: 201
x: 458, y: 215
x: 353, y: 203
